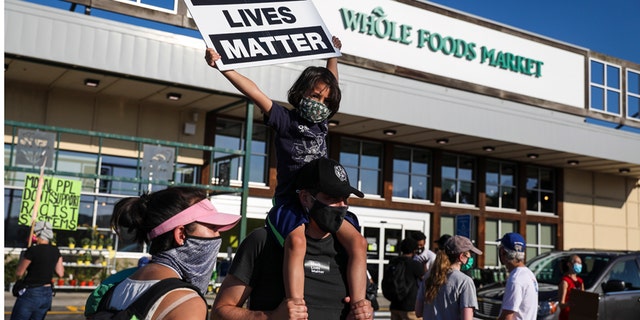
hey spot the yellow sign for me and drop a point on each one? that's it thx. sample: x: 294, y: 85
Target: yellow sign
x: 59, y: 202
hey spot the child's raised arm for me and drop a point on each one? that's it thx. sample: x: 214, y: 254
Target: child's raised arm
x: 332, y: 63
x: 242, y: 83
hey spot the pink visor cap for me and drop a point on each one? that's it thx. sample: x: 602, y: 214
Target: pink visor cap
x: 203, y: 212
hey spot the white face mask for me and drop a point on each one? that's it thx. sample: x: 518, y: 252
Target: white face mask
x: 194, y: 261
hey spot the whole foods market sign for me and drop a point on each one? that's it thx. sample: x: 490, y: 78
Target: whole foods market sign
x: 376, y: 24
x: 403, y: 35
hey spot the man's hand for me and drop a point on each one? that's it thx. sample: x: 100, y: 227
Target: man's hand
x: 290, y: 309
x: 421, y: 258
x: 360, y: 310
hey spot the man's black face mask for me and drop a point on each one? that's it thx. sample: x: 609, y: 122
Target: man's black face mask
x: 328, y: 218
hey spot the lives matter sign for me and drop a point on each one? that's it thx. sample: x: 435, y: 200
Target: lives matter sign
x: 59, y: 202
x: 250, y: 33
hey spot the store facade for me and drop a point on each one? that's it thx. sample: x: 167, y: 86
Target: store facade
x: 449, y: 123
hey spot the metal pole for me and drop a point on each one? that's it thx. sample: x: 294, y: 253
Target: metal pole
x: 36, y: 204
x: 245, y: 170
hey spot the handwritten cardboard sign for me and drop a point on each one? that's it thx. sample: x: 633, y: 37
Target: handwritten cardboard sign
x: 59, y: 202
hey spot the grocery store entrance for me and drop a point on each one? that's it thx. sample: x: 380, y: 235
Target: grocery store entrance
x: 383, y: 238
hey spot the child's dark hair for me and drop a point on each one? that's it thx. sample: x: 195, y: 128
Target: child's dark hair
x: 139, y: 215
x: 309, y: 77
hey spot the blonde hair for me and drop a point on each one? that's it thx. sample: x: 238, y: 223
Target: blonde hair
x: 438, y: 276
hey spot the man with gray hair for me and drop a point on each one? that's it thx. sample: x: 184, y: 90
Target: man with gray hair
x: 520, y: 300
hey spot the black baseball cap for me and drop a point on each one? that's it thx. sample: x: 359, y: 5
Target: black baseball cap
x: 327, y: 176
x: 442, y: 240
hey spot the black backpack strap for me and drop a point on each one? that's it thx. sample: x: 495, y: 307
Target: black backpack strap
x: 103, y: 305
x: 144, y: 302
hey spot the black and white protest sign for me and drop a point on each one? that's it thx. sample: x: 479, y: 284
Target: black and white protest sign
x: 259, y: 32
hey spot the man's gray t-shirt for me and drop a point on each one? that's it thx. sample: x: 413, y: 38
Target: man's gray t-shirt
x: 457, y: 293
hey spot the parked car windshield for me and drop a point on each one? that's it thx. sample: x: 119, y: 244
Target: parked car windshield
x: 548, y: 268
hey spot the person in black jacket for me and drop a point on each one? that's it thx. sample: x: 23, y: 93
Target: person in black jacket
x: 39, y: 262
x: 403, y: 308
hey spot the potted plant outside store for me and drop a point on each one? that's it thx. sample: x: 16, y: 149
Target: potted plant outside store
x: 108, y: 242
x: 85, y: 243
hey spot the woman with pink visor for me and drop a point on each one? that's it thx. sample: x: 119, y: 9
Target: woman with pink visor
x: 182, y: 228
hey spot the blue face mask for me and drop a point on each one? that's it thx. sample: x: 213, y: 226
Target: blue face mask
x: 577, y: 267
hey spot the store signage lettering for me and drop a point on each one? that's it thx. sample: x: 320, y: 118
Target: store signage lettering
x: 59, y: 202
x: 377, y: 24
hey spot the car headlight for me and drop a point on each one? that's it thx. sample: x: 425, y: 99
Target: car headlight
x: 546, y: 308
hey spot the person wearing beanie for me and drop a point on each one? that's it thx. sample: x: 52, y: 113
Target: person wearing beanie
x: 520, y: 300
x: 448, y: 293
x: 39, y: 262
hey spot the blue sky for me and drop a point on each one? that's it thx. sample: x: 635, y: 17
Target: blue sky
x: 611, y: 27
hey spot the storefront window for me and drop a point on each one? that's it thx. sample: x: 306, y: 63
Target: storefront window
x: 495, y: 229
x: 363, y: 162
x: 121, y: 171
x: 230, y: 135
x: 541, y: 238
x: 447, y: 226
x: 501, y: 185
x: 540, y: 190
x: 633, y: 95
x: 411, y: 177
x: 605, y: 89
x: 458, y: 179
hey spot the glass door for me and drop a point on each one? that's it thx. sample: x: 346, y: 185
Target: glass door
x: 383, y: 245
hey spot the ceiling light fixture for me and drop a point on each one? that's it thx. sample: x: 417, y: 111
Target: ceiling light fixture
x: 624, y: 170
x: 333, y: 123
x: 442, y: 141
x: 91, y: 82
x: 174, y: 96
x: 532, y: 155
x: 488, y: 148
x: 573, y: 162
x: 389, y: 132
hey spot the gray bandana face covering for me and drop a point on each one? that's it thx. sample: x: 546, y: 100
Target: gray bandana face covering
x: 194, y: 261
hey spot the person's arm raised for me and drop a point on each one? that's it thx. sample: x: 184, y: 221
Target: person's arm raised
x: 242, y: 83
x: 332, y: 63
